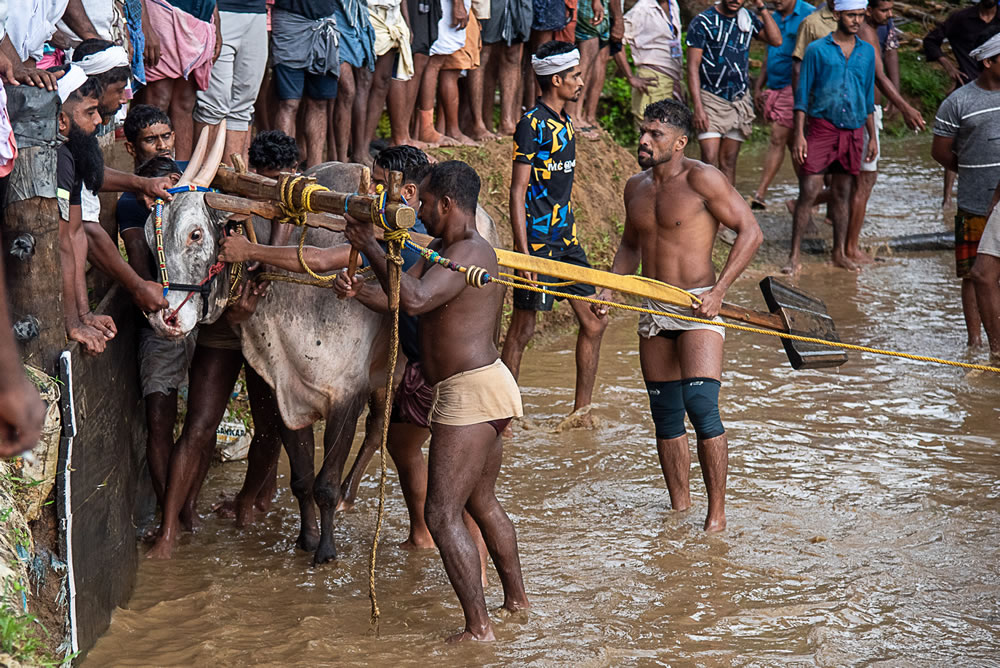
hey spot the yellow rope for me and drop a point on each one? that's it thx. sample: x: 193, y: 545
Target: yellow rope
x: 302, y: 260
x: 394, y: 266
x: 755, y: 330
x: 515, y: 277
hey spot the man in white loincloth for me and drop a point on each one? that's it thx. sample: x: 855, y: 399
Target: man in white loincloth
x: 672, y: 213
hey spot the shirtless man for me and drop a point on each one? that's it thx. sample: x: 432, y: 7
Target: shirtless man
x: 672, y: 213
x: 474, y: 394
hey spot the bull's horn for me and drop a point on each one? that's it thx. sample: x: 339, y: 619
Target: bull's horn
x: 211, y: 165
x: 194, y: 164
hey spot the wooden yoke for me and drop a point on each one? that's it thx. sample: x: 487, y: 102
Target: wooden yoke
x: 255, y: 186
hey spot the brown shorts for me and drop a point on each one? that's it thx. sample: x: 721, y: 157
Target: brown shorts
x: 466, y: 58
x: 968, y: 231
x: 414, y: 398
x: 729, y: 119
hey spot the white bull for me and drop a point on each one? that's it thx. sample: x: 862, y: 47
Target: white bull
x: 322, y: 356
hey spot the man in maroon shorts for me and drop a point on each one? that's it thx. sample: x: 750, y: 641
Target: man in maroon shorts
x: 836, y: 91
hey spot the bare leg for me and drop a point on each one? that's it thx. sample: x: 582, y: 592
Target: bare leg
x: 598, y: 72
x: 181, y: 107
x: 284, y: 119
x: 973, y: 323
x: 864, y: 183
x: 427, y: 102
x: 772, y: 161
x: 809, y: 187
x: 710, y: 150
x: 413, y: 90
x: 405, y: 442
x: 161, y: 412
x: 315, y: 130
x: 212, y: 375
x: 530, y: 90
x: 340, y: 120
x: 840, y: 198
x: 986, y: 278
x: 264, y: 448
x: 458, y: 471
x: 588, y: 55
x: 729, y: 153
x: 588, y: 352
x: 474, y: 91
x: 449, y: 100
x: 522, y: 328
x: 359, y: 114
x: 489, y: 70
x: 376, y: 99
x: 510, y: 88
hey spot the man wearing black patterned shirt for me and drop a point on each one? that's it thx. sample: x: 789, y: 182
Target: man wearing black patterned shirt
x: 541, y: 215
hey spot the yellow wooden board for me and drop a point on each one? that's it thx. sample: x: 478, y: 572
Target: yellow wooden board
x: 635, y: 285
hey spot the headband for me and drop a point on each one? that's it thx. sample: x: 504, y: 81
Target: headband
x: 849, y: 5
x: 73, y: 78
x: 556, y: 63
x: 989, y: 48
x: 104, y: 61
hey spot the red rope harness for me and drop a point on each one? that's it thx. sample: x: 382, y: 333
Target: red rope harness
x: 213, y: 271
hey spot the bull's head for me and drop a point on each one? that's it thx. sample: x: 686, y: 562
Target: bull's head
x: 190, y: 237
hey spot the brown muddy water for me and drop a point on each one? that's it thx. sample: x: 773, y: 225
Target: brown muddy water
x: 863, y: 508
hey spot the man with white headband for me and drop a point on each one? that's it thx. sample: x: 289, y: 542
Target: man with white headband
x: 836, y: 93
x: 541, y: 214
x: 718, y: 67
x: 965, y: 128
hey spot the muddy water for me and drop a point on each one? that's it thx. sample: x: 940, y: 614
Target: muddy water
x: 863, y: 507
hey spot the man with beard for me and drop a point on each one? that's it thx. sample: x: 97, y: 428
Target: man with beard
x: 541, y: 214
x: 107, y: 66
x: 673, y: 210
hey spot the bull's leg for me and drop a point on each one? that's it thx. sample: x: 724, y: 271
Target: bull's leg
x: 300, y: 446
x: 340, y: 427
x: 373, y: 437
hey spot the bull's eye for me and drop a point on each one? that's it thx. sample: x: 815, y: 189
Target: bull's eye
x: 196, y: 235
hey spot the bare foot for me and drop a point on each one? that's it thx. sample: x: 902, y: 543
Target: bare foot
x: 461, y: 138
x: 792, y: 267
x: 514, y: 607
x: 715, y: 525
x: 974, y: 342
x: 408, y: 141
x: 578, y: 419
x: 225, y: 508
x: 507, y: 130
x: 946, y: 202
x: 839, y: 260
x: 418, y: 542
x: 858, y: 256
x: 790, y: 205
x: 485, y: 636
x: 244, y: 513
x: 164, y: 546
x: 190, y: 519
x: 481, y: 134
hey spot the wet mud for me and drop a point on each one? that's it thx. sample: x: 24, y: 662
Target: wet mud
x: 863, y: 512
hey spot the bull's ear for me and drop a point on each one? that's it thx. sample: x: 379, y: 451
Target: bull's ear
x: 218, y: 217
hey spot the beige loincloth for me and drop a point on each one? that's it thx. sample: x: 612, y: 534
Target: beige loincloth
x: 477, y: 396
x: 650, y: 325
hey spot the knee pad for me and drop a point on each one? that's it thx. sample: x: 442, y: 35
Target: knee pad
x: 701, y: 399
x: 666, y: 403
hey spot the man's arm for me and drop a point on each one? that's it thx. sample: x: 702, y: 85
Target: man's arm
x: 21, y: 73
x: 134, y: 240
x: 417, y: 296
x: 93, y: 341
x: 617, y: 23
x: 731, y: 210
x: 151, y: 55
x: 22, y: 411
x: 912, y: 117
x: 628, y: 255
x: 117, y: 181
x: 694, y: 84
x: 934, y: 54
x: 519, y: 177
x: 769, y: 33
x: 758, y: 86
x: 942, y: 151
x: 76, y: 18
x: 369, y: 293
x: 238, y: 248
x: 871, y: 151
x: 103, y: 253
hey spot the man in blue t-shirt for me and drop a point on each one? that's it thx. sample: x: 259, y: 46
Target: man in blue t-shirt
x: 777, y: 102
x: 718, y: 43
x: 541, y: 214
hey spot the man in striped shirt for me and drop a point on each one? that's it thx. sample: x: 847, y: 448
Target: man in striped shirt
x: 966, y: 134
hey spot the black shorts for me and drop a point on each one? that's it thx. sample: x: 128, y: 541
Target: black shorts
x: 529, y: 300
x: 292, y: 84
x: 424, y: 17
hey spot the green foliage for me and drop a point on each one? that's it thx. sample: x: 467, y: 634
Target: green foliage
x: 21, y: 634
x: 920, y: 82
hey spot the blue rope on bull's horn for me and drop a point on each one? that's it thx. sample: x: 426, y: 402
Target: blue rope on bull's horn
x: 161, y: 258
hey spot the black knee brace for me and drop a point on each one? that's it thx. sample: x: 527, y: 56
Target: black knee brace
x: 666, y: 403
x: 701, y: 399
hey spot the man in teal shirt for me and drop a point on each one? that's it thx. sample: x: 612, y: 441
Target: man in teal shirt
x: 836, y: 91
